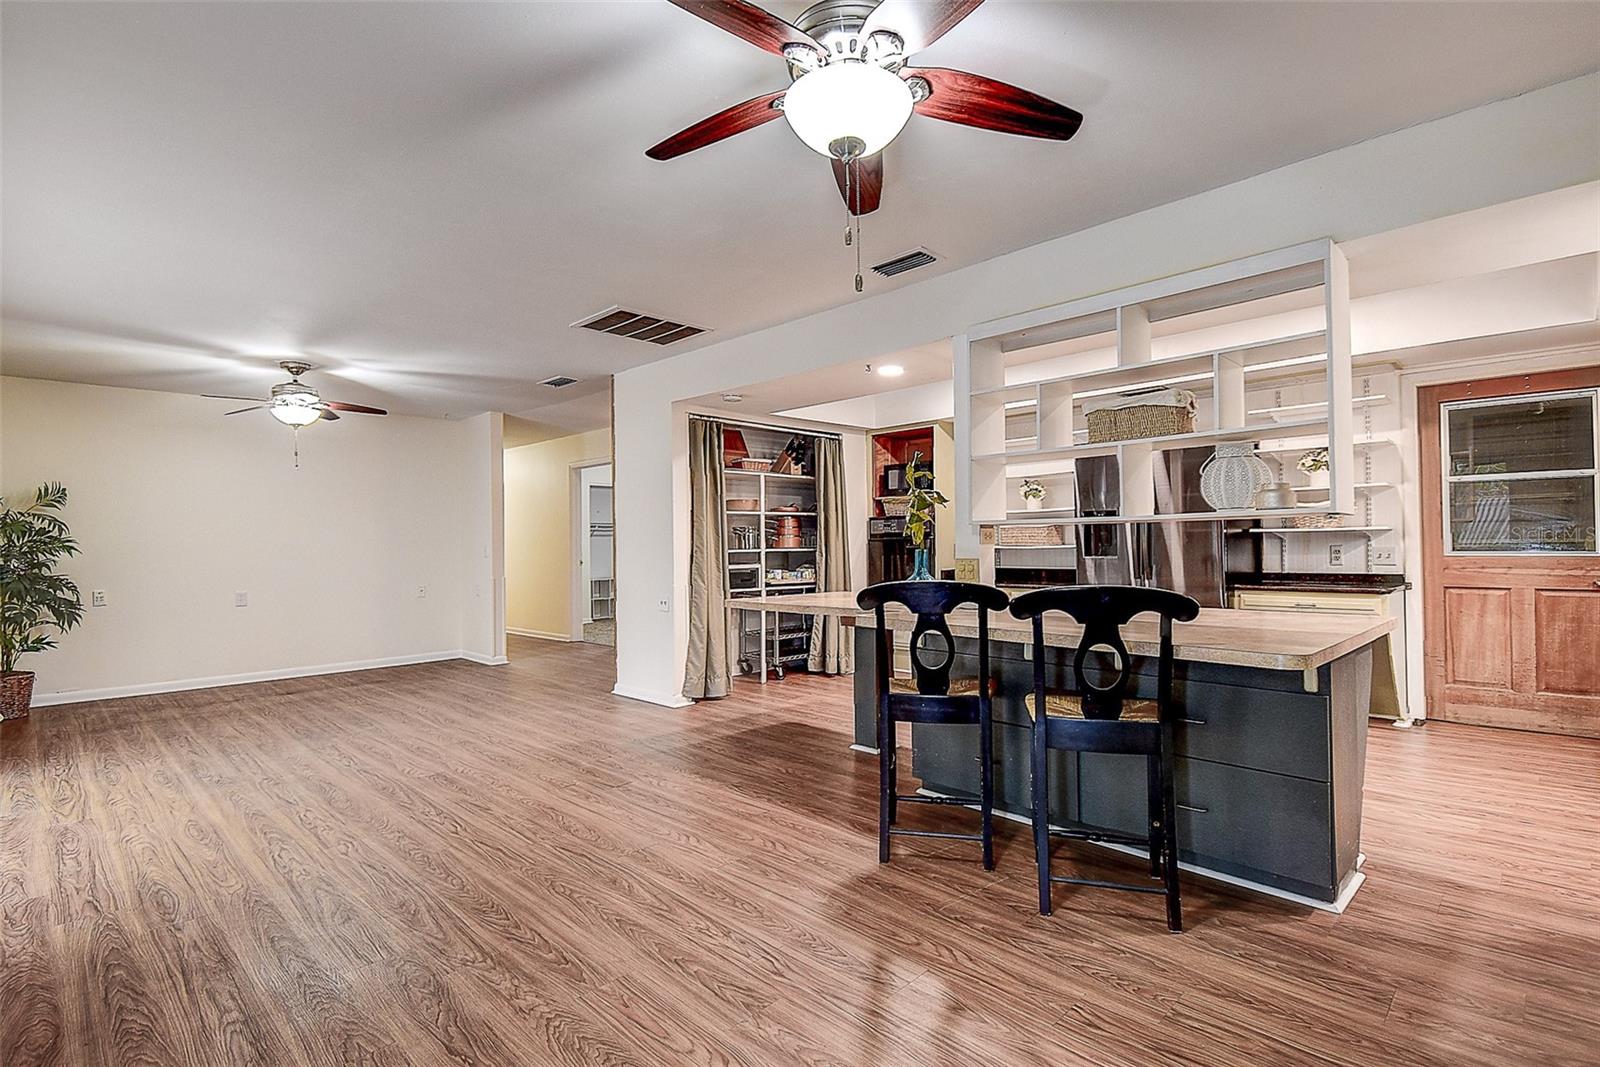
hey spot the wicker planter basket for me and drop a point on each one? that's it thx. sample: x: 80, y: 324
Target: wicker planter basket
x: 896, y: 507
x: 16, y: 694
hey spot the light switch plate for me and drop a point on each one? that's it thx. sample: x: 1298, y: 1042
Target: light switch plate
x: 241, y: 599
x: 97, y: 598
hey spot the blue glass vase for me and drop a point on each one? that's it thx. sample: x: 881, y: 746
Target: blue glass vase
x: 919, y: 567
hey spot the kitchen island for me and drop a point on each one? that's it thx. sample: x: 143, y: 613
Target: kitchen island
x: 1271, y: 743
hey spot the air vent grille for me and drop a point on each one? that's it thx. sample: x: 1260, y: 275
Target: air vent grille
x: 638, y: 325
x: 560, y: 381
x: 919, y: 257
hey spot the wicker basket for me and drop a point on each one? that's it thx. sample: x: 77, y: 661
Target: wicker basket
x: 1145, y: 420
x: 896, y: 507
x: 1316, y: 521
x: 749, y: 463
x: 1029, y: 537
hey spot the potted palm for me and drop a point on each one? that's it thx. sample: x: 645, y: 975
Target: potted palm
x: 919, y: 519
x: 34, y: 599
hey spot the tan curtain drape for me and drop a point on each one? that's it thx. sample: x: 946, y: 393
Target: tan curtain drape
x: 830, y: 645
x: 709, y: 671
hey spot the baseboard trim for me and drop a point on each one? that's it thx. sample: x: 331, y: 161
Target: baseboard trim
x: 668, y: 700
x: 181, y: 685
x: 542, y: 635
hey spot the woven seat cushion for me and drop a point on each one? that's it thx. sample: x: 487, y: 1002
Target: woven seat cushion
x: 959, y: 687
x: 1070, y: 706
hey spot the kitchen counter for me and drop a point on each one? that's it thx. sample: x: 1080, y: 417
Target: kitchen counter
x: 1220, y: 635
x: 1271, y: 744
x: 1316, y: 582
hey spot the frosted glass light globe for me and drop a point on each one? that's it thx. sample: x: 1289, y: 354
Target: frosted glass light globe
x: 847, y: 98
x: 295, y: 412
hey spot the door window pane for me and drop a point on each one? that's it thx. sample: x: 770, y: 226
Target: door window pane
x: 1533, y: 434
x: 1523, y: 515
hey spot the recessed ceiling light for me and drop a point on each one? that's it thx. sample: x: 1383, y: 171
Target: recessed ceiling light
x: 891, y: 370
x: 732, y: 398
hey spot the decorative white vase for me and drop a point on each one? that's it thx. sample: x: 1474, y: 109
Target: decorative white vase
x: 1317, y: 479
x: 1230, y: 479
x: 1033, y: 503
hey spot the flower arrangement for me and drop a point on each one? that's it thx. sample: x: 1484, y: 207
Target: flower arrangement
x: 1031, y: 489
x: 1314, y: 461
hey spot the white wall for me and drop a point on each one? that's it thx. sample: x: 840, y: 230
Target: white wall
x: 1533, y: 143
x: 177, y: 508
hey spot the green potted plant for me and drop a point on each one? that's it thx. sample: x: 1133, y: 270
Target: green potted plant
x: 919, y: 519
x: 34, y: 599
x: 1032, y: 491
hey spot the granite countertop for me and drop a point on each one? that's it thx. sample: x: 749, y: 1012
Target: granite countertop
x: 1317, y: 582
x: 1232, y: 636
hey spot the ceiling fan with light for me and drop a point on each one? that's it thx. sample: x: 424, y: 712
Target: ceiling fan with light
x: 296, y: 404
x: 852, y: 92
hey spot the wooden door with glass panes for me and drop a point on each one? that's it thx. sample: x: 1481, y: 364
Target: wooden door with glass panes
x: 1511, y: 613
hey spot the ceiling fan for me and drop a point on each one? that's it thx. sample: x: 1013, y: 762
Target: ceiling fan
x: 296, y: 404
x: 852, y: 91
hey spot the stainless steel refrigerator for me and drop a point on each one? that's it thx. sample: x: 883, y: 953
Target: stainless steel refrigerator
x: 1187, y: 556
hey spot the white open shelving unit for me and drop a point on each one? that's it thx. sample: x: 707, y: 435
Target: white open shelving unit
x: 994, y: 359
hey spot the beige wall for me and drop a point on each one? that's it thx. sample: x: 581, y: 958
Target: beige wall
x: 540, y: 556
x: 178, y: 508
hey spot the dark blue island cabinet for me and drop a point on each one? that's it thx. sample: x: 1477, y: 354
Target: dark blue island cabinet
x: 1271, y: 747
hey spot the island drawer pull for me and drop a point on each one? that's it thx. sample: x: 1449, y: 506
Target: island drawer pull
x: 1191, y: 807
x: 1193, y: 722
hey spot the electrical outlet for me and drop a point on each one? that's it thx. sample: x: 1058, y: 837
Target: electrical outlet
x: 1383, y: 557
x: 241, y: 599
x: 1336, y: 555
x: 97, y: 598
x: 422, y: 592
x: 663, y: 604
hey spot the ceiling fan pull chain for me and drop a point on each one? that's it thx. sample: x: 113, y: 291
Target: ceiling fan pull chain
x: 856, y: 210
x: 848, y: 239
x: 297, y: 448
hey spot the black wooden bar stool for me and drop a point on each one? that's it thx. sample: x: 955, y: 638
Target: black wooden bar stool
x: 1097, y: 718
x: 932, y: 697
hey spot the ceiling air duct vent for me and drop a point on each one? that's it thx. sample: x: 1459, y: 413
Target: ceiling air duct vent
x: 560, y: 381
x: 919, y: 257
x: 637, y: 325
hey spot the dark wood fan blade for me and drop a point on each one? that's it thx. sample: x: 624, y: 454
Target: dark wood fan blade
x: 252, y: 399
x: 241, y: 411
x: 761, y: 28
x: 918, y: 23
x: 973, y: 100
x: 866, y: 184
x: 724, y: 124
x: 328, y: 414
x: 355, y: 409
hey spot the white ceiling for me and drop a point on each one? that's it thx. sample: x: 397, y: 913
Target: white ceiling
x: 422, y: 197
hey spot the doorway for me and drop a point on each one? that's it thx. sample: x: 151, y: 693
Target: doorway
x: 1511, y: 571
x: 595, y: 587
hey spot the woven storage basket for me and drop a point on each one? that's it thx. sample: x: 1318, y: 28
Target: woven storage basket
x: 1317, y: 521
x: 1145, y: 420
x: 1028, y: 537
x: 896, y: 507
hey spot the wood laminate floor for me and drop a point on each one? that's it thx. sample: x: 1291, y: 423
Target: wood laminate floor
x: 455, y: 864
